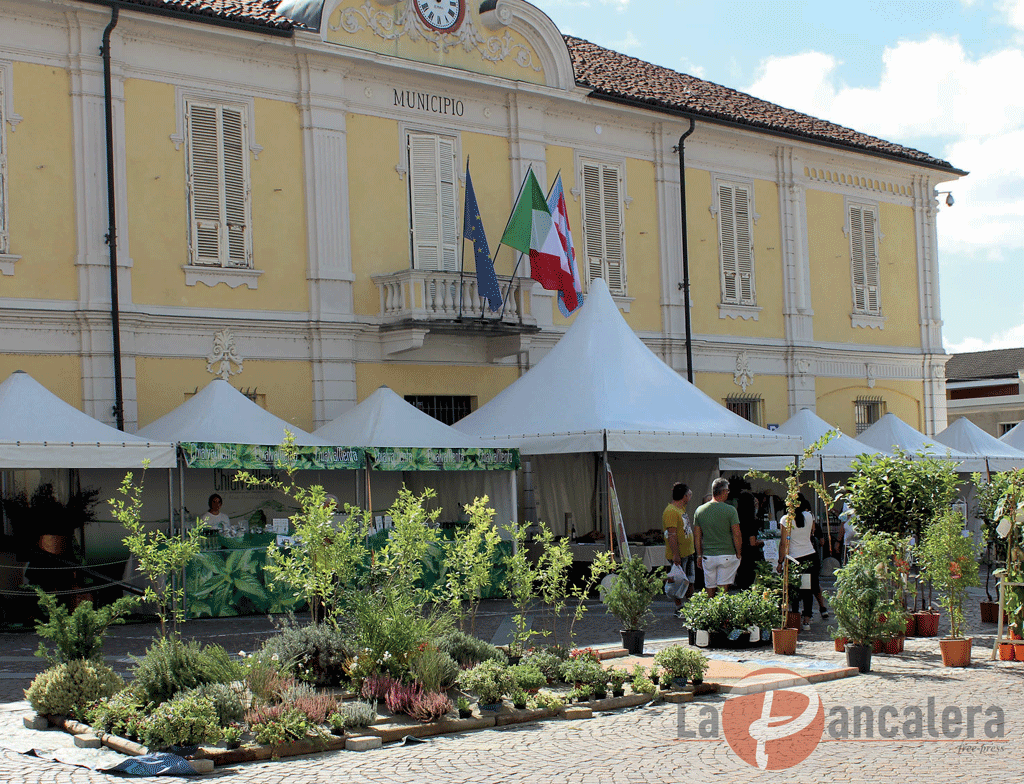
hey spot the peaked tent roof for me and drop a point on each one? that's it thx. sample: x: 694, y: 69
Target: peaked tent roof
x: 39, y: 430
x: 890, y: 432
x: 837, y: 455
x: 220, y: 414
x: 1014, y: 436
x: 386, y: 420
x: 965, y: 436
x: 601, y: 379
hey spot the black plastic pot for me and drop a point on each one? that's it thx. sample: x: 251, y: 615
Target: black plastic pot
x: 633, y: 641
x: 858, y: 656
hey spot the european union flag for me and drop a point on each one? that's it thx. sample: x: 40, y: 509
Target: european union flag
x: 473, y: 230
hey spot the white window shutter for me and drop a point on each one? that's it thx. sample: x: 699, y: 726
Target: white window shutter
x: 433, y: 200
x: 737, y: 251
x: 4, y: 240
x: 864, y: 259
x: 204, y: 183
x: 602, y: 225
x: 727, y: 234
x: 236, y: 195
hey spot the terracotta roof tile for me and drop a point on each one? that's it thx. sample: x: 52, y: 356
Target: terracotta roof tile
x: 617, y: 75
x: 974, y: 365
x: 259, y: 13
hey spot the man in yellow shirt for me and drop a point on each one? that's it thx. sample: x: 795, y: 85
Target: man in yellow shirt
x: 679, y: 534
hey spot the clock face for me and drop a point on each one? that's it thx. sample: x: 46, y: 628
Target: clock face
x: 442, y: 15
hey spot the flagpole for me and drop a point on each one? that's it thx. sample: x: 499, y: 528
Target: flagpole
x: 504, y: 300
x: 462, y: 260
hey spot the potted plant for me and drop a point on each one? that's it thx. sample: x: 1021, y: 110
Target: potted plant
x: 629, y: 599
x: 490, y: 681
x: 681, y: 664
x: 863, y: 607
x: 617, y: 678
x: 949, y: 561
x: 465, y: 711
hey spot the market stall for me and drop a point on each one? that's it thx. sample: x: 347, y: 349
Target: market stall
x: 405, y: 446
x: 221, y: 432
x: 46, y: 441
x: 600, y: 398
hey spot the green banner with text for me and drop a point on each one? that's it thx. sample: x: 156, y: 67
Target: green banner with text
x: 208, y: 455
x: 447, y: 459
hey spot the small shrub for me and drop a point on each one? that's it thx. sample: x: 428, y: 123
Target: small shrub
x: 641, y: 684
x: 265, y: 681
x: 430, y: 706
x: 617, y: 678
x: 121, y: 714
x: 67, y: 689
x: 171, y: 666
x: 317, y: 653
x: 316, y: 707
x: 545, y: 661
x: 489, y: 680
x: 351, y: 715
x: 469, y: 651
x: 435, y: 669
x: 376, y: 687
x: 185, y: 720
x: 583, y: 670
x: 78, y: 635
x: 272, y: 727
x: 225, y: 701
x: 402, y: 697
x: 548, y: 700
x: 680, y: 662
x: 232, y: 733
x: 527, y: 676
x: 292, y: 691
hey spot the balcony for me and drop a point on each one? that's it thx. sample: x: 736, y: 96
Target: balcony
x: 414, y: 303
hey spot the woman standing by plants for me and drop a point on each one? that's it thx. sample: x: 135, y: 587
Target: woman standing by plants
x: 797, y: 543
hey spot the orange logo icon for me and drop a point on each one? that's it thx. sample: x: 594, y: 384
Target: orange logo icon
x: 774, y: 730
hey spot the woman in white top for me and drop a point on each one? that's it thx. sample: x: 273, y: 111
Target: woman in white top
x: 215, y: 518
x: 798, y: 543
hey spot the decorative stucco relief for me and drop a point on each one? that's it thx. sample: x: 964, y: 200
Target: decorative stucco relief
x: 224, y: 354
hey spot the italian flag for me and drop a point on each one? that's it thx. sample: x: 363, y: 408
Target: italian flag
x: 531, y: 230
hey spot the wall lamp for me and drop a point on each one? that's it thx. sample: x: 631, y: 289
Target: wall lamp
x: 949, y: 197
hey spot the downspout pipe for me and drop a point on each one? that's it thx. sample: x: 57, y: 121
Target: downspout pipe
x: 111, y: 236
x: 685, y: 285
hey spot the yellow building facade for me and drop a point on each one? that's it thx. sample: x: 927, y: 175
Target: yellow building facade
x: 293, y: 181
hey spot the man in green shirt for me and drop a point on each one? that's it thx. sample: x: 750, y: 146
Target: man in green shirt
x: 716, y: 537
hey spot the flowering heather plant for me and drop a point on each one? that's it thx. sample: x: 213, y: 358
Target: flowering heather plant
x: 376, y: 687
x: 402, y: 698
x: 430, y: 706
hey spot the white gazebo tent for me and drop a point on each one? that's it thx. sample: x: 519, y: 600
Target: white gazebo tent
x: 890, y: 432
x: 965, y: 436
x: 41, y: 432
x: 601, y: 391
x: 397, y: 436
x: 836, y: 456
x: 1014, y: 436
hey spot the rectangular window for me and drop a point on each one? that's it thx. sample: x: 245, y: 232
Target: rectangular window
x: 864, y: 259
x: 867, y: 411
x: 445, y: 408
x: 433, y: 196
x: 735, y: 233
x: 1006, y: 427
x: 750, y: 407
x: 603, y: 225
x: 218, y: 186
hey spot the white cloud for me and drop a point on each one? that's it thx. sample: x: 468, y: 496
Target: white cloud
x: 691, y: 68
x: 1011, y: 338
x: 1014, y: 12
x: 627, y: 44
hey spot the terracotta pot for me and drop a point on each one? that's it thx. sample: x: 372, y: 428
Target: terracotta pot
x: 927, y: 623
x: 1014, y: 635
x: 784, y: 641
x: 793, y: 620
x: 1018, y: 653
x: 911, y: 626
x: 1006, y: 651
x: 956, y: 652
x: 893, y: 646
x: 989, y: 612
x: 840, y: 644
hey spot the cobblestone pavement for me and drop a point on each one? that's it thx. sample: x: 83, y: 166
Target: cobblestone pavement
x: 643, y: 745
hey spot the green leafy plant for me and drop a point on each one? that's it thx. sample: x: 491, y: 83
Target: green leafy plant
x: 354, y: 714
x: 489, y: 680
x: 185, y: 720
x: 602, y: 564
x: 468, y: 559
x: 617, y: 678
x: 67, y: 689
x: 123, y: 714
x: 462, y: 704
x: 275, y: 725
x: 552, y: 574
x: 528, y: 676
x: 631, y: 593
x: 78, y: 635
x: 949, y: 561
x: 640, y: 683
x: 170, y: 666
x: 519, y: 698
x: 680, y: 662
x: 548, y: 663
x: 225, y: 699
x: 520, y: 576
x: 583, y: 670
x: 317, y: 653
x: 434, y: 669
x: 864, y: 609
x: 548, y: 701
x: 468, y: 650
x: 232, y: 734
x: 160, y: 557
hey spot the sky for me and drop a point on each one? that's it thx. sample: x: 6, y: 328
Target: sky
x: 946, y: 77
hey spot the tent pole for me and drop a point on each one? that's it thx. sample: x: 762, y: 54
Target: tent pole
x: 828, y: 523
x: 607, y: 509
x: 181, y: 525
x: 514, y: 483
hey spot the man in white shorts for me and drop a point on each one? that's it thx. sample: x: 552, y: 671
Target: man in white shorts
x: 716, y: 538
